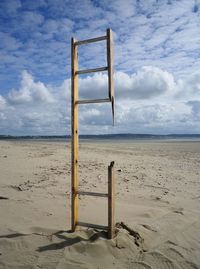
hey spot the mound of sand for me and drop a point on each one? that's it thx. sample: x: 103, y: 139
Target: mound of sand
x: 91, y: 249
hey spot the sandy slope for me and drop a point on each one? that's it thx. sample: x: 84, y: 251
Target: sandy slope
x: 158, y: 194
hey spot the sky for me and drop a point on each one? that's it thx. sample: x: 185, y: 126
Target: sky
x: 156, y: 66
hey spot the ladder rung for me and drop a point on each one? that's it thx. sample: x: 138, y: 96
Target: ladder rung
x: 92, y: 193
x: 90, y: 225
x: 93, y: 101
x: 91, y: 40
x: 99, y: 69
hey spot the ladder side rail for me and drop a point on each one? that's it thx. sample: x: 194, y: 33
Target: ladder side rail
x: 110, y: 70
x: 74, y: 130
x: 111, y: 199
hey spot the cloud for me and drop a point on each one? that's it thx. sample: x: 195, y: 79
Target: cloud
x: 30, y: 92
x: 57, y: 26
x: 195, y: 105
x: 2, y: 103
x: 8, y: 42
x: 93, y: 87
x: 31, y: 19
x: 9, y: 8
x: 150, y: 33
x: 148, y: 82
x: 189, y: 88
x: 37, y: 108
x: 115, y: 6
x: 156, y: 116
x: 157, y: 78
x: 193, y: 83
x: 34, y: 5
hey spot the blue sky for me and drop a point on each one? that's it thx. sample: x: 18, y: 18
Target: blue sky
x: 157, y: 65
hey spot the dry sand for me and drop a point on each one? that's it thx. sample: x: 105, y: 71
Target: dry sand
x: 157, y: 196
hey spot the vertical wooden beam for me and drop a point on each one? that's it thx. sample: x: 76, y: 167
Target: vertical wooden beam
x: 111, y: 200
x: 110, y: 70
x: 74, y: 133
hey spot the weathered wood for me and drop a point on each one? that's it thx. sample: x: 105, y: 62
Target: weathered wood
x: 111, y: 199
x: 110, y: 70
x: 90, y: 225
x: 89, y: 193
x: 92, y: 70
x: 91, y: 40
x: 92, y: 101
x: 74, y: 130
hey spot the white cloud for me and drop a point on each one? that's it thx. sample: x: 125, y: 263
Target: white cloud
x: 123, y: 9
x: 8, y: 42
x: 157, y: 65
x: 65, y: 89
x: 146, y: 102
x: 35, y: 108
x: 195, y: 105
x: 156, y: 116
x: 30, y: 92
x: 149, y: 82
x: 93, y: 86
x: 147, y: 33
x: 194, y: 83
x: 189, y: 88
x: 146, y: 83
x: 62, y: 25
x: 2, y: 102
x: 31, y: 19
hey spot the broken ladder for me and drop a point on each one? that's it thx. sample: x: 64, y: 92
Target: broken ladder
x: 75, y: 139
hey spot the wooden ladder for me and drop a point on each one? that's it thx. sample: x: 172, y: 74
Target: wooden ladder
x: 75, y: 138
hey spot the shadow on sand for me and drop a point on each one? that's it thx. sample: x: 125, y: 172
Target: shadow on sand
x: 63, y: 235
x: 70, y: 241
x: 12, y: 235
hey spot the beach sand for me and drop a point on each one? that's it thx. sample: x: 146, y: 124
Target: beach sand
x: 157, y: 196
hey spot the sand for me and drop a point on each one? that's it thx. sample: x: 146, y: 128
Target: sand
x: 157, y: 196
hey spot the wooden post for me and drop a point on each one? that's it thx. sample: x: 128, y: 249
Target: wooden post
x: 74, y: 133
x: 111, y: 199
x: 110, y: 70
